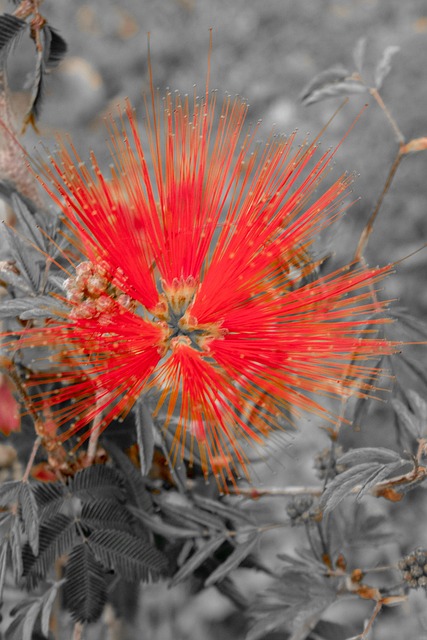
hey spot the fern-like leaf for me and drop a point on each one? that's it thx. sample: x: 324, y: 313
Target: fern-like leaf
x: 57, y: 536
x: 106, y: 514
x: 10, y: 29
x: 50, y: 497
x: 9, y: 492
x: 98, y: 482
x: 15, y: 541
x: 132, y: 558
x: 29, y: 513
x: 85, y: 590
x: 135, y: 485
x: 56, y: 47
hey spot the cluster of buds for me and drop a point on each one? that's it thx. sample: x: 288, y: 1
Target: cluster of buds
x: 93, y: 294
x: 414, y: 569
x: 325, y: 463
x: 299, y: 509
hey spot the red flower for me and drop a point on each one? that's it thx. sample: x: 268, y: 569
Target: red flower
x: 191, y: 283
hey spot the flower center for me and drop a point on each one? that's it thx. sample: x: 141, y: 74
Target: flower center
x: 174, y: 312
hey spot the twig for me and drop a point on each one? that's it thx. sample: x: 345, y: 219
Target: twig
x: 370, y: 224
x: 37, y: 443
x: 258, y: 492
x: 78, y: 631
x: 93, y: 439
x: 399, y: 135
x: 371, y: 621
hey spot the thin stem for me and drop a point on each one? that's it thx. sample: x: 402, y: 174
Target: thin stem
x: 311, y: 541
x: 398, y: 133
x: 37, y: 443
x: 78, y: 631
x: 93, y: 439
x: 258, y: 492
x: 370, y: 224
x: 377, y: 609
x: 325, y: 550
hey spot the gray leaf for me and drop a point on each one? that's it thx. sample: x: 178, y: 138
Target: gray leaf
x: 268, y: 623
x: 3, y: 564
x: 30, y: 515
x: 233, y: 561
x: 221, y: 509
x: 359, y: 54
x: 27, y: 222
x: 9, y: 492
x: 384, y: 65
x: 48, y: 601
x: 16, y: 549
x: 407, y: 418
x: 28, y: 307
x: 11, y: 28
x: 57, y: 47
x: 163, y: 528
x: 205, y: 552
x: 22, y: 626
x: 331, y: 83
x: 145, y: 436
x: 369, y: 454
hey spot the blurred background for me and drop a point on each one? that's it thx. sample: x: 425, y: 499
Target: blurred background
x: 266, y: 51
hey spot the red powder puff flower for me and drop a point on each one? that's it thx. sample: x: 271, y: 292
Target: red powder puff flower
x: 193, y: 283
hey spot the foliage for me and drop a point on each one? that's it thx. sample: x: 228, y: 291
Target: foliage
x: 78, y: 524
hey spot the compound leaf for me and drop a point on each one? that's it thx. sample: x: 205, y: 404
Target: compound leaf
x: 57, y: 536
x: 135, y: 485
x: 85, y: 589
x: 97, y: 482
x: 106, y: 514
x: 50, y: 497
x: 131, y: 557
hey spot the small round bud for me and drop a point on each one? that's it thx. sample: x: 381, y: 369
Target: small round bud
x: 298, y: 509
x: 414, y: 569
x: 325, y: 462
